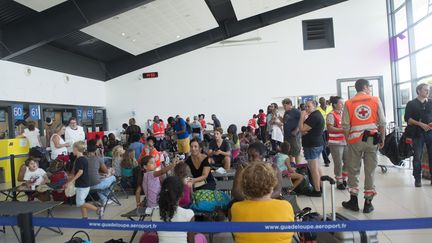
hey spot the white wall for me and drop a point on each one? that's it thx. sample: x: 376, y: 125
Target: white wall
x: 234, y: 82
x: 46, y: 86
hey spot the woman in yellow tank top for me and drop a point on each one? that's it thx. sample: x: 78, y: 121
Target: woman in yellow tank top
x: 258, y: 181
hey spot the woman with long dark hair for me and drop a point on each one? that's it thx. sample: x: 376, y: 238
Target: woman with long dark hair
x: 234, y: 141
x: 170, y: 211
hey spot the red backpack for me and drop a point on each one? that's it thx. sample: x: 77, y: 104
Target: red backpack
x: 58, y: 179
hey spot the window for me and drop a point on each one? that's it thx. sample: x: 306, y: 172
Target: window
x: 397, y: 3
x: 404, y: 70
x: 424, y: 62
x: 420, y: 9
x: 423, y: 33
x: 402, y: 44
x: 410, y: 22
x: 401, y: 20
x: 405, y: 93
x: 318, y: 34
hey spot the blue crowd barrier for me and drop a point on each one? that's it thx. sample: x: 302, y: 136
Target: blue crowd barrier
x: 16, y: 156
x: 327, y: 226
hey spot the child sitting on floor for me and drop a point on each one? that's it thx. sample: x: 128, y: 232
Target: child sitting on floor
x: 151, y: 183
x: 183, y: 172
x: 284, y: 164
x: 34, y: 176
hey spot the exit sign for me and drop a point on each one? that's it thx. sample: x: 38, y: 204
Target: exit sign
x: 151, y: 75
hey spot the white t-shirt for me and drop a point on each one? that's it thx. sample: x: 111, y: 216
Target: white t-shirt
x: 32, y: 137
x: 34, y: 176
x: 182, y: 215
x: 72, y: 136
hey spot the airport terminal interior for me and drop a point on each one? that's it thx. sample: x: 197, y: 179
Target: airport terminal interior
x: 215, y: 111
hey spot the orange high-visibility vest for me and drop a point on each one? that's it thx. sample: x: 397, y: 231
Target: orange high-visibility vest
x: 363, y: 113
x: 252, y: 124
x: 154, y: 153
x: 336, y: 137
x: 159, y: 129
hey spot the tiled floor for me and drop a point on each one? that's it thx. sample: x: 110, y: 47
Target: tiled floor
x: 397, y: 198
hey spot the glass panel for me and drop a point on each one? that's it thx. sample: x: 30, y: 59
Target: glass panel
x: 404, y: 93
x: 397, y: 3
x: 420, y: 9
x: 423, y: 33
x: 402, y: 44
x: 404, y: 70
x: 400, y: 20
x: 401, y: 112
x: 424, y: 62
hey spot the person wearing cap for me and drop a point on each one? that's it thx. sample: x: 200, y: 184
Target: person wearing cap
x: 48, y: 131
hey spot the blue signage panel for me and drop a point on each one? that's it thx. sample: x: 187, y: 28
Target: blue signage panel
x: 90, y: 114
x: 18, y: 111
x: 35, y: 113
x: 79, y: 113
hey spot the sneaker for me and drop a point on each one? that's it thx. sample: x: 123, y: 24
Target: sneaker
x: 110, y: 202
x: 100, y: 212
x: 345, y: 183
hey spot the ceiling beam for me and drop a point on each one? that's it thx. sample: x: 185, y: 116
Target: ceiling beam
x: 58, y: 21
x: 228, y: 28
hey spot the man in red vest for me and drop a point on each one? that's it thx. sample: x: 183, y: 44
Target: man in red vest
x: 252, y: 123
x: 363, y: 122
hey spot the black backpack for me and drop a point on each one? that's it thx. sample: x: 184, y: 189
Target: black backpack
x: 305, y: 186
x: 76, y: 239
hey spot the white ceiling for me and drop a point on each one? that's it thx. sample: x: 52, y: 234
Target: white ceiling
x: 153, y: 25
x: 248, y: 8
x: 40, y: 5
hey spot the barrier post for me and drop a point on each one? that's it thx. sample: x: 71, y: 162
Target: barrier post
x: 12, y: 165
x: 25, y: 223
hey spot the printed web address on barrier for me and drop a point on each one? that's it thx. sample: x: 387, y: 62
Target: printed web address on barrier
x: 291, y: 227
x: 123, y: 226
x: 295, y: 227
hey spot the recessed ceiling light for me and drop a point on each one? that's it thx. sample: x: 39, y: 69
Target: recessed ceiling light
x: 123, y: 34
x: 177, y: 36
x: 133, y: 40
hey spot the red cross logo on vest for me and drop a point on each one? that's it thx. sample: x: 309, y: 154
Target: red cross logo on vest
x: 363, y: 112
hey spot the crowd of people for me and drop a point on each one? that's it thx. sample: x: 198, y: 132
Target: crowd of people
x: 168, y: 163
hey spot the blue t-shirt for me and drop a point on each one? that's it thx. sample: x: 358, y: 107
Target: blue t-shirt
x: 291, y: 122
x: 137, y: 147
x: 179, y: 126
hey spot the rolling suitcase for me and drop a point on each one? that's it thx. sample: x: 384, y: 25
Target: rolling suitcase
x: 345, y: 237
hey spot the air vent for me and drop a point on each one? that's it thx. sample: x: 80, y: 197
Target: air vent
x: 318, y: 34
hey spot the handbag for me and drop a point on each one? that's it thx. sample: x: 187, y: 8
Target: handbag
x: 75, y: 239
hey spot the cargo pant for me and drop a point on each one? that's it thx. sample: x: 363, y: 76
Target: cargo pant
x: 368, y: 152
x: 339, y: 154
